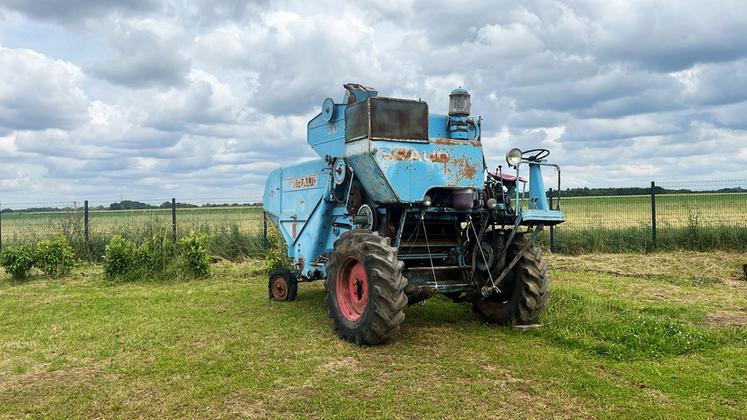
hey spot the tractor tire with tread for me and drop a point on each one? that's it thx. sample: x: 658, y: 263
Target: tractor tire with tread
x: 524, y: 292
x: 373, y: 312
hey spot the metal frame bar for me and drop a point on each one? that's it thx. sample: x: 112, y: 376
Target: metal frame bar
x: 518, y: 201
x: 507, y: 269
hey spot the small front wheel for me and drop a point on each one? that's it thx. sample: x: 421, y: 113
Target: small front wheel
x: 282, y: 285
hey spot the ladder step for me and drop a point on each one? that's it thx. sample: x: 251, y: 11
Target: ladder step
x: 441, y: 268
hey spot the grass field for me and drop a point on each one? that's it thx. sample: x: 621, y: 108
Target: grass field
x: 21, y: 225
x: 626, y: 336
x: 672, y: 210
x: 698, y: 221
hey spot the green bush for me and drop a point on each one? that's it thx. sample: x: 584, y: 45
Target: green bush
x: 54, y: 257
x: 118, y: 257
x: 153, y: 256
x: 193, y: 254
x: 157, y: 258
x: 277, y: 250
x: 17, y: 261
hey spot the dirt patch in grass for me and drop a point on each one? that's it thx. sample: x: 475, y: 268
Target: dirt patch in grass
x: 242, y: 404
x: 727, y: 318
x: 42, y: 377
x: 344, y: 364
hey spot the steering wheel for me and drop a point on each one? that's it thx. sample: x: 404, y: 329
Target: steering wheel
x: 536, y: 155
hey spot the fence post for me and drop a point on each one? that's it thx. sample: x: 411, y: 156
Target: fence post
x: 264, y: 227
x: 173, y: 219
x: 552, y: 228
x: 1, y: 226
x: 653, y: 213
x: 85, y: 222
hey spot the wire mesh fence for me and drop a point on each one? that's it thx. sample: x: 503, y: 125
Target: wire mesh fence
x: 234, y: 226
x: 696, y: 215
x: 702, y: 214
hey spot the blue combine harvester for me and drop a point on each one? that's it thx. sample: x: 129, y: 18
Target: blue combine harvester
x: 400, y: 207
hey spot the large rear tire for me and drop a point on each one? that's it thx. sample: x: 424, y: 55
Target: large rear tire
x: 523, y: 293
x: 365, y: 288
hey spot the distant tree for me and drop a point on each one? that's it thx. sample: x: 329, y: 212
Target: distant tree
x: 129, y: 205
x: 167, y: 205
x: 591, y: 192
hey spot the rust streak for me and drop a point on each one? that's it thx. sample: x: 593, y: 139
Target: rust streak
x: 464, y: 169
x: 455, y: 142
x: 438, y: 157
x: 404, y: 154
x: 468, y: 171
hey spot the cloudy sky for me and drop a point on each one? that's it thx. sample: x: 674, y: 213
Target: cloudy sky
x: 147, y: 99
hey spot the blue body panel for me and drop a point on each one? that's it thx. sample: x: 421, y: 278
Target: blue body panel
x: 538, y: 211
x: 328, y: 138
x: 404, y: 172
x: 296, y: 200
x: 537, y: 197
x: 545, y: 217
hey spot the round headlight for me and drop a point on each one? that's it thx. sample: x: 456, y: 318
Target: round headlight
x: 513, y: 157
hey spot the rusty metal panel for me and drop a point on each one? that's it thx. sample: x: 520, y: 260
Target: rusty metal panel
x: 397, y: 119
x: 356, y: 121
x: 369, y: 173
x: 387, y: 119
x: 413, y: 169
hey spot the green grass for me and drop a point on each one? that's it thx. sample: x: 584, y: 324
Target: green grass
x: 673, y: 210
x: 624, y: 336
x: 573, y: 240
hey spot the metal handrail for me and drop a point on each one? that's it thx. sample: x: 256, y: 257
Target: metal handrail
x: 540, y: 163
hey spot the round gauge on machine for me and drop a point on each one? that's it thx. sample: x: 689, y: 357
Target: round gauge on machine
x: 328, y: 109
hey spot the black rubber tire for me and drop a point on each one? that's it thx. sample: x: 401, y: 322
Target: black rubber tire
x: 290, y: 284
x: 384, y: 309
x: 524, y: 292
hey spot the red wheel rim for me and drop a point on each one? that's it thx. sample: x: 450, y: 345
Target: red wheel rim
x: 352, y: 289
x: 279, y: 288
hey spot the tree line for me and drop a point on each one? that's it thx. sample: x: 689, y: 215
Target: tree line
x: 131, y: 205
x: 590, y: 192
x: 568, y: 192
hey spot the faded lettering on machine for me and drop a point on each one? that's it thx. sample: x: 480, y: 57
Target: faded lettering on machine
x: 405, y: 154
x: 303, y: 182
